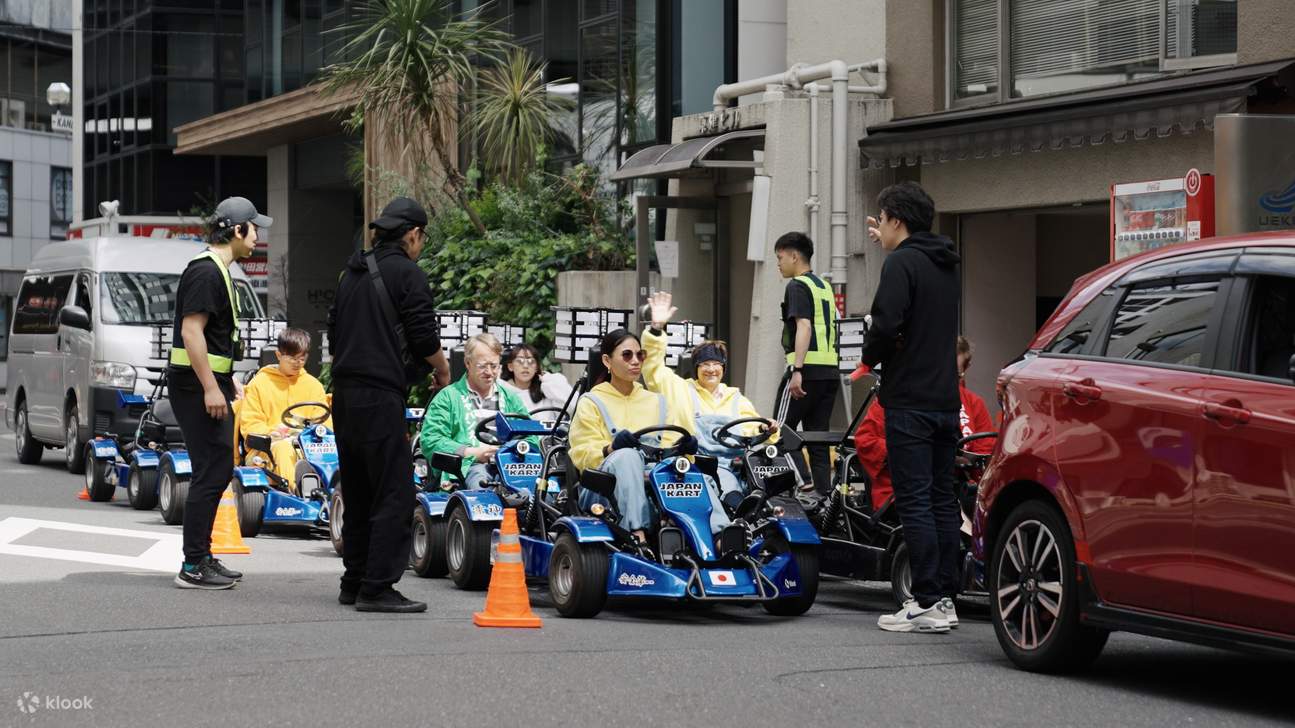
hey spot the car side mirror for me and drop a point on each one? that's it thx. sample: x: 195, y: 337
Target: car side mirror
x: 74, y: 317
x: 451, y: 465
x: 257, y: 442
x: 780, y: 483
x: 708, y: 465
x: 599, y: 481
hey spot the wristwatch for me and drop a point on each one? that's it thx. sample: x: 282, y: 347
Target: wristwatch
x: 798, y: 370
x: 655, y: 331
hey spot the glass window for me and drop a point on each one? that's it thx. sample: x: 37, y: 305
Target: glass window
x: 231, y: 48
x: 39, y: 301
x: 186, y: 46
x: 699, y: 48
x: 83, y: 298
x: 1059, y: 47
x: 1200, y: 28
x: 1075, y: 335
x: 638, y: 81
x: 186, y: 101
x: 60, y: 202
x: 313, y: 47
x: 1270, y: 337
x: 527, y: 17
x: 975, y: 48
x: 1163, y: 323
x: 137, y: 299
x: 291, y: 59
x: 6, y: 199
x: 598, y: 71
x: 591, y: 9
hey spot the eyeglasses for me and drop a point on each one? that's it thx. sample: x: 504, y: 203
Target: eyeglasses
x: 524, y: 360
x: 297, y: 357
x: 486, y: 366
x: 628, y: 356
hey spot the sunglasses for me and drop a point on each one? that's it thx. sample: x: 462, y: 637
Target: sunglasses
x: 628, y: 356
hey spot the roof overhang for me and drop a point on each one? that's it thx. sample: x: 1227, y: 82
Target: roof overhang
x: 1139, y: 110
x: 254, y: 128
x: 693, y: 157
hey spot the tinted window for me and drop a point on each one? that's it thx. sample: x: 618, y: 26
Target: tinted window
x: 1075, y: 335
x: 1270, y: 329
x: 1165, y: 323
x: 137, y: 299
x: 83, y: 298
x: 39, y: 301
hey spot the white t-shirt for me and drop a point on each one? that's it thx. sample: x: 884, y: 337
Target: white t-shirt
x: 554, y: 389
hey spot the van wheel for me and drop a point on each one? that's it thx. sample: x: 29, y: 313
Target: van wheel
x: 73, y: 448
x: 141, y: 487
x: 29, y: 451
x: 172, y: 492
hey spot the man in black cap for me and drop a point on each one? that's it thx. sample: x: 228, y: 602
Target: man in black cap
x: 382, y: 332
x: 200, y: 380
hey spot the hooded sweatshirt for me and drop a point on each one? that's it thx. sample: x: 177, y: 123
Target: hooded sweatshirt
x: 590, y: 434
x: 679, y: 392
x: 915, y: 326
x: 366, y: 351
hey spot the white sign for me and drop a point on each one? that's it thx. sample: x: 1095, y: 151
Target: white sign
x: 61, y: 123
x: 667, y: 256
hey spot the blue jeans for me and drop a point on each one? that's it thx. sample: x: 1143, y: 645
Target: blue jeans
x: 476, y: 477
x: 629, y: 467
x: 921, y: 446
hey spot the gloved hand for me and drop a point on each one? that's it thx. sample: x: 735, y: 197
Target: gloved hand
x: 688, y: 445
x: 624, y: 439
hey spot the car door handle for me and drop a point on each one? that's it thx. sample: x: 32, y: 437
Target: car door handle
x: 1233, y: 412
x: 1085, y: 389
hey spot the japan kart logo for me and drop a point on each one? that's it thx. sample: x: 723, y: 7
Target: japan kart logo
x: 637, y: 580
x: 287, y: 512
x: 681, y: 490
x: 523, y: 470
x: 29, y: 703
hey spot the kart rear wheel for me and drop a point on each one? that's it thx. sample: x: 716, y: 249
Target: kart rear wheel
x: 901, y: 575
x: 467, y: 550
x: 578, y: 577
x: 336, y: 511
x: 806, y: 558
x: 96, y: 476
x: 427, y: 554
x: 141, y: 488
x: 172, y: 492
x: 251, y: 508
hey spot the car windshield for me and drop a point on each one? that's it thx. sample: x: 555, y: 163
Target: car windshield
x: 145, y: 299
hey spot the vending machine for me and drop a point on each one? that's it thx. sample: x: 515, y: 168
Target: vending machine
x: 1150, y: 215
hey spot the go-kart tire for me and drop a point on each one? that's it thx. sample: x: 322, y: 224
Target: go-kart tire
x: 172, y: 492
x: 806, y: 558
x: 467, y: 550
x: 427, y: 553
x: 29, y: 448
x: 141, y: 488
x: 76, y: 454
x: 96, y: 477
x: 578, y: 577
x: 1042, y: 642
x: 336, y: 512
x: 251, y: 509
x: 901, y: 575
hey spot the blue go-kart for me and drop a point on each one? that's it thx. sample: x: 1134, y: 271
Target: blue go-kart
x: 264, y: 497
x: 454, y: 527
x: 153, y: 466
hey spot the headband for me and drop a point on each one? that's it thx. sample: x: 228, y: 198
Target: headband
x: 710, y: 352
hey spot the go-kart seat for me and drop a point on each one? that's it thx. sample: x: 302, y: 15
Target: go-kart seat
x: 160, y: 425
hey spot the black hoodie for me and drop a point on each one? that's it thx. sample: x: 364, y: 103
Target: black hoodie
x: 914, y: 328
x: 366, y: 351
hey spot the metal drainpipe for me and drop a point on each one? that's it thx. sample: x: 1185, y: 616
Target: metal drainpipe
x: 812, y: 204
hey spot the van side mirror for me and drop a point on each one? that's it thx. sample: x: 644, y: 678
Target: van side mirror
x: 74, y: 317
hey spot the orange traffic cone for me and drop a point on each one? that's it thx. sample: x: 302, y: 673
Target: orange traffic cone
x: 507, y: 603
x: 84, y: 494
x: 226, y: 536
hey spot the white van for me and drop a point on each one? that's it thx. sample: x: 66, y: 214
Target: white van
x: 84, y: 329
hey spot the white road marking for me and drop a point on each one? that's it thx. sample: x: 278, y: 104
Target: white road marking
x: 164, y: 555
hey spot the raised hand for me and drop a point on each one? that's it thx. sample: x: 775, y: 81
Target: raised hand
x: 659, y: 304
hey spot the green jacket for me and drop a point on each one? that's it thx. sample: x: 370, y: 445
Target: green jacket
x: 450, y: 423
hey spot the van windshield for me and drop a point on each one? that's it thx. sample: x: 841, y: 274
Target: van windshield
x: 145, y: 299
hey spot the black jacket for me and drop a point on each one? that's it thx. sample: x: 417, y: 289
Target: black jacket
x: 366, y: 351
x: 915, y: 326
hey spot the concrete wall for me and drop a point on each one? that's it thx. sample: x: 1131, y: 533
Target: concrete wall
x: 598, y: 289
x: 761, y: 39
x: 915, y: 52
x: 1265, y: 30
x: 821, y: 30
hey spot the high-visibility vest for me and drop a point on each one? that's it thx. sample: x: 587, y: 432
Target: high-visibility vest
x: 219, y: 364
x: 823, y: 347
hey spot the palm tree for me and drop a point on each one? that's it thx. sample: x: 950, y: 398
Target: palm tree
x: 515, y: 115
x: 406, y: 62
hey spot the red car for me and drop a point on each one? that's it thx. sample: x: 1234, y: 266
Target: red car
x: 1144, y: 478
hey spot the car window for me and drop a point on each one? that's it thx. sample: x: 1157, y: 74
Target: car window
x: 1075, y: 335
x: 1270, y: 329
x: 247, y: 302
x: 39, y: 301
x: 83, y: 298
x: 1163, y: 323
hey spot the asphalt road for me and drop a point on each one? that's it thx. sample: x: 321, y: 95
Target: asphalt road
x: 84, y: 617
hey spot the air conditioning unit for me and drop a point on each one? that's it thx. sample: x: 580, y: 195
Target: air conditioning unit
x: 12, y: 112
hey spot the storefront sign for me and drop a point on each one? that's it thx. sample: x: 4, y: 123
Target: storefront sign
x: 1254, y: 155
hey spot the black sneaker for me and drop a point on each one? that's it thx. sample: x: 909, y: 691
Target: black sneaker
x: 388, y: 600
x: 202, y: 577
x: 346, y: 597
x: 220, y: 568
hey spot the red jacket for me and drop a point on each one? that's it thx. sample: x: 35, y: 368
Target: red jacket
x: 870, y: 440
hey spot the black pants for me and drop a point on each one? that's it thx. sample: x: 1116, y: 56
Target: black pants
x: 920, y: 447
x: 811, y: 413
x: 377, y: 476
x: 210, y: 444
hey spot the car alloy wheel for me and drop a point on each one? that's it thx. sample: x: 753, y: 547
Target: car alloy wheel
x: 1030, y: 584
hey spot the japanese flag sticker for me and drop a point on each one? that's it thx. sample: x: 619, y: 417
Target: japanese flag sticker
x: 722, y: 578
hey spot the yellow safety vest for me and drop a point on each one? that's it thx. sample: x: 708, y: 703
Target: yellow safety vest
x: 219, y: 364
x: 823, y: 347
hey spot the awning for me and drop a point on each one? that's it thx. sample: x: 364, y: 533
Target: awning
x: 693, y: 156
x: 1138, y: 110
x: 254, y: 128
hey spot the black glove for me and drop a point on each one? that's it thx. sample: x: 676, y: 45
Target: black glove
x: 624, y: 439
x: 688, y: 445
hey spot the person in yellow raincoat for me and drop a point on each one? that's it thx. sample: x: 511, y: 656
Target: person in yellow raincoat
x: 274, y: 389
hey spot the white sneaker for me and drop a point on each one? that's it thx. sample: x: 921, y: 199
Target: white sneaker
x: 950, y: 612
x: 913, y: 618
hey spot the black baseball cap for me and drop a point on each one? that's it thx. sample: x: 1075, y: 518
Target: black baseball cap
x: 237, y: 210
x: 398, y: 212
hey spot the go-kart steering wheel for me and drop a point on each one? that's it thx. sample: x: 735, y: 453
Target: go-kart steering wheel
x: 655, y: 452
x: 726, y: 437
x: 301, y: 422
x: 977, y: 459
x: 486, y: 432
x: 546, y: 410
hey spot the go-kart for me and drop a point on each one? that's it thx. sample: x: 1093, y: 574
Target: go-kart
x: 153, y: 466
x: 771, y: 560
x: 264, y: 497
x: 453, y: 528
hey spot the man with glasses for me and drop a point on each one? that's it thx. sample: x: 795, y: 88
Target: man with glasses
x: 383, y: 336
x: 450, y: 424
